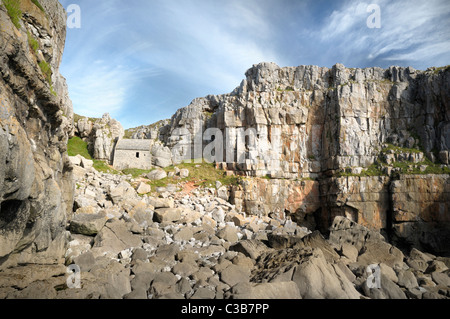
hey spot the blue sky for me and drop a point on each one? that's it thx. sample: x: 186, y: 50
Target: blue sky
x: 141, y: 60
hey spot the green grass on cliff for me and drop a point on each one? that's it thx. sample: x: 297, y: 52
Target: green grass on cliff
x: 14, y: 12
x: 46, y: 70
x: 77, y: 146
x: 398, y: 150
x: 34, y: 44
x: 36, y: 2
x: 372, y: 170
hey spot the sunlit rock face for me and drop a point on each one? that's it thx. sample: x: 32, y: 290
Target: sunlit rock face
x: 337, y: 138
x: 36, y: 116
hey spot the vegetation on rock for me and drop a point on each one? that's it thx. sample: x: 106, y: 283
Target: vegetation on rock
x: 14, y: 12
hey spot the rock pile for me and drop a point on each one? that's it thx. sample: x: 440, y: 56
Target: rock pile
x: 195, y: 245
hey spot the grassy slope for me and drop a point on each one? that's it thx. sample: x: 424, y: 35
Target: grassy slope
x: 204, y: 174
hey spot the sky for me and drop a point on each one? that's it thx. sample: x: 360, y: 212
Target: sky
x: 142, y: 60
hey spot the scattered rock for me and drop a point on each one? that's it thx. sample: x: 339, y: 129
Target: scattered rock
x: 156, y: 175
x: 441, y: 279
x: 228, y: 233
x: 143, y: 188
x: 167, y: 215
x: 407, y: 279
x: 233, y: 274
x: 87, y: 224
x: 252, y: 248
x: 184, y: 173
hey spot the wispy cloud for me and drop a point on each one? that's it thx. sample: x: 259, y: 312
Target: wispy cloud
x: 143, y: 60
x: 411, y: 31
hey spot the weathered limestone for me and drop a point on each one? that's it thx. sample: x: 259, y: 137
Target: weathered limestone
x: 329, y: 141
x: 36, y: 186
x: 421, y: 206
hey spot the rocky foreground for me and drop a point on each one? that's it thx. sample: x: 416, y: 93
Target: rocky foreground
x: 188, y: 243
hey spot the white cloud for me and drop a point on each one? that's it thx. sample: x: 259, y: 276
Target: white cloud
x: 408, y: 31
x: 101, y: 88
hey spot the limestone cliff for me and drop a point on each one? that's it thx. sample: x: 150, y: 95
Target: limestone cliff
x: 36, y: 187
x: 333, y: 142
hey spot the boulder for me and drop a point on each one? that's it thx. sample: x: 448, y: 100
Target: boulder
x: 283, y: 241
x: 114, y: 238
x: 185, y: 269
x: 407, y: 279
x: 381, y: 252
x: 161, y: 202
x: 343, y: 230
x: 316, y: 240
x: 184, y: 173
x: 252, y: 248
x: 185, y: 234
x: 85, y: 261
x: 156, y: 175
x: 387, y: 290
x: 441, y: 279
x: 161, y: 156
x: 75, y: 160
x: 204, y: 293
x: 87, y: 224
x: 266, y: 291
x: 233, y: 274
x: 167, y: 215
x: 86, y: 163
x: 229, y: 234
x: 143, y: 188
x: 318, y: 279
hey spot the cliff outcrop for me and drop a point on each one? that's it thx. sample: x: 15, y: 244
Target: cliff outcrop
x: 36, y: 184
x: 101, y: 135
x: 370, y: 144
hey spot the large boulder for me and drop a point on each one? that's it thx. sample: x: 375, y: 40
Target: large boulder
x: 315, y: 277
x: 157, y: 175
x: 267, y: 291
x: 161, y: 156
x: 87, y: 224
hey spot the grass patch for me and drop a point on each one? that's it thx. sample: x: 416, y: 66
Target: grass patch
x: 77, y: 146
x: 437, y: 70
x: 410, y: 168
x: 14, y: 12
x: 46, y: 70
x: 103, y: 167
x: 36, y: 2
x: 208, y: 115
x: 372, y: 170
x: 206, y: 174
x: 34, y: 44
x: 202, y: 174
x: 135, y: 172
x: 399, y: 150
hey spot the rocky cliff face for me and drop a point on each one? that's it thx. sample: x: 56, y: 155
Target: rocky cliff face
x: 101, y: 135
x: 36, y: 187
x: 325, y: 120
x: 370, y: 144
